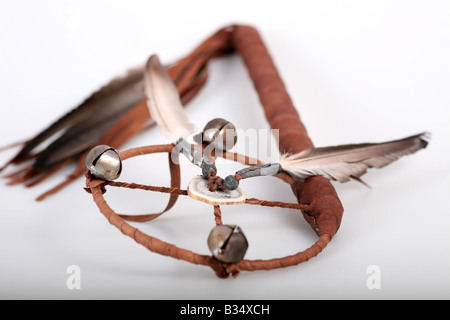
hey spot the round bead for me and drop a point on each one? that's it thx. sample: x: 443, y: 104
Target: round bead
x: 208, y: 169
x: 227, y: 243
x: 104, y: 163
x: 230, y: 183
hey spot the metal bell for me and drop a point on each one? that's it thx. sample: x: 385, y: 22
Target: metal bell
x: 227, y: 243
x: 221, y: 133
x: 104, y: 162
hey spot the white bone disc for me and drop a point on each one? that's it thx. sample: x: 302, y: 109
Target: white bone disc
x: 198, y: 190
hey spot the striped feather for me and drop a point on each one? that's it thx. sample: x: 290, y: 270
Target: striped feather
x: 341, y: 163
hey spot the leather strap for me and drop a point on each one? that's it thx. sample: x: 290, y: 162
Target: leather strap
x: 175, y: 179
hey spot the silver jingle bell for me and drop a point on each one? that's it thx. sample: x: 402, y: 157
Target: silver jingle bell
x: 221, y: 133
x: 104, y: 162
x: 227, y: 243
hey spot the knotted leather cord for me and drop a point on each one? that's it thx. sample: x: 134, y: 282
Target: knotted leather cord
x: 317, y: 198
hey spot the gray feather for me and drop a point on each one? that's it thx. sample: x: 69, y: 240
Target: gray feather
x: 341, y: 163
x: 82, y: 126
x: 107, y: 106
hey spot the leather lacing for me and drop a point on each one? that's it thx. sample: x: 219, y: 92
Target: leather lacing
x: 98, y: 187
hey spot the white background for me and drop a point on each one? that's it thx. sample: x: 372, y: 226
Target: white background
x: 358, y: 71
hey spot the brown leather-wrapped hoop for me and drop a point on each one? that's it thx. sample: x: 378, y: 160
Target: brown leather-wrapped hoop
x: 98, y: 187
x: 317, y: 198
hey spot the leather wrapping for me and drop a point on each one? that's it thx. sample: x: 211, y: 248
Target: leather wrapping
x: 317, y: 198
x: 325, y: 211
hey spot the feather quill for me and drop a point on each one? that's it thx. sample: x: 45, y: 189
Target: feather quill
x: 164, y: 102
x: 344, y: 162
